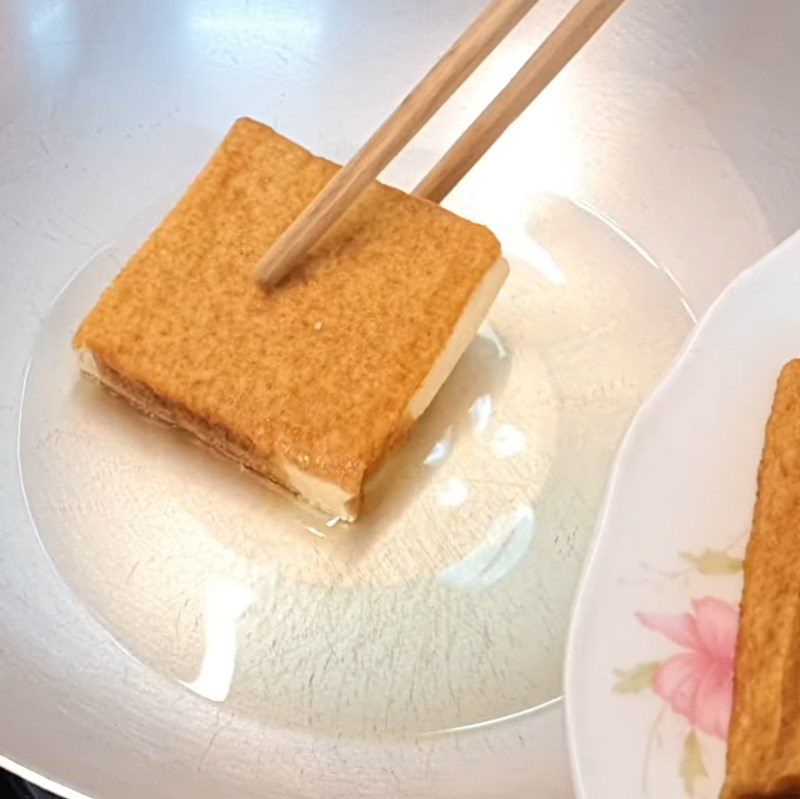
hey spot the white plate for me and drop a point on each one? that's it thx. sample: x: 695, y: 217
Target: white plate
x: 649, y: 667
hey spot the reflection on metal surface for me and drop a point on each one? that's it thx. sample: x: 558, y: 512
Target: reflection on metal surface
x: 480, y: 414
x: 519, y: 244
x: 489, y: 565
x: 616, y: 227
x: 551, y: 153
x: 453, y: 492
x: 59, y: 21
x: 49, y: 16
x: 487, y: 332
x: 689, y: 311
x: 284, y: 23
x: 224, y: 607
x: 640, y: 250
x: 441, y: 449
x: 508, y: 442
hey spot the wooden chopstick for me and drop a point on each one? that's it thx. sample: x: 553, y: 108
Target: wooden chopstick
x: 572, y: 33
x: 446, y: 76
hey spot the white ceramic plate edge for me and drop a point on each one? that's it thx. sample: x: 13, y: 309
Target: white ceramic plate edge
x: 651, y: 406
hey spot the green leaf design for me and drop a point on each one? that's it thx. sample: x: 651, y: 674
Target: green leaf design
x: 692, y: 766
x: 714, y: 561
x: 639, y: 678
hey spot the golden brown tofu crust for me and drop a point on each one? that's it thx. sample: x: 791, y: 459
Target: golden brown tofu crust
x: 764, y: 737
x: 319, y: 371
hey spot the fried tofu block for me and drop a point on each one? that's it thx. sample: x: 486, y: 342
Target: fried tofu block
x: 311, y: 383
x: 764, y: 737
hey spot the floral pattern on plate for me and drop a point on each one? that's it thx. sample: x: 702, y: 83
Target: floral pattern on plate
x: 696, y: 682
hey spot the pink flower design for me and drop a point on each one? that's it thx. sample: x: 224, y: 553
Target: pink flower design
x: 698, y: 684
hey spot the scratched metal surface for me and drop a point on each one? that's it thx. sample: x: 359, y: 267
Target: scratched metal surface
x: 659, y: 165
